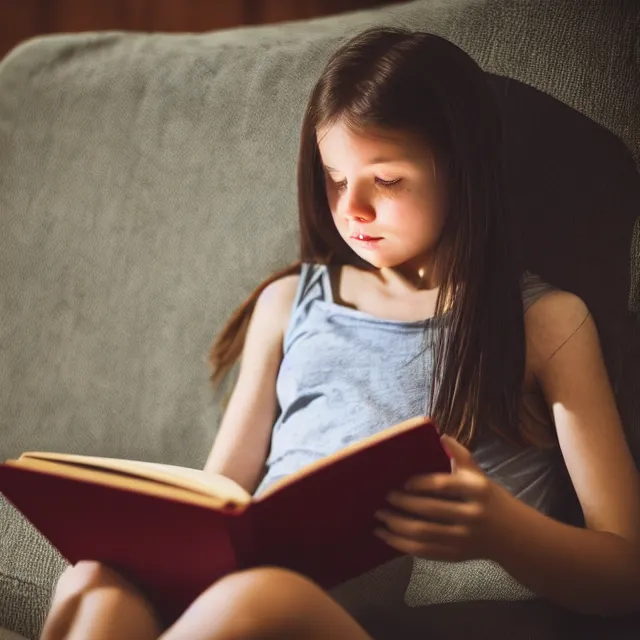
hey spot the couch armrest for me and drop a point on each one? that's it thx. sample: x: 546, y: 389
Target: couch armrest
x: 6, y: 634
x: 29, y: 569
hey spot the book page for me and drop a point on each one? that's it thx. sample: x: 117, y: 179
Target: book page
x: 130, y: 483
x: 194, y: 480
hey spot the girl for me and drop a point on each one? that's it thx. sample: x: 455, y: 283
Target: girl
x: 407, y: 301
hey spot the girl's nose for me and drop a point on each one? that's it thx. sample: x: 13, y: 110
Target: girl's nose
x: 357, y: 209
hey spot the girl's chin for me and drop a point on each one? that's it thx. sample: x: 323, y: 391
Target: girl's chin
x: 378, y: 261
x: 377, y: 254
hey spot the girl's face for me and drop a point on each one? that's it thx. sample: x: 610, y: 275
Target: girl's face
x: 383, y: 195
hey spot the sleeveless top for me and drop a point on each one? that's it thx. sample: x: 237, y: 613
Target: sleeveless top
x: 346, y: 374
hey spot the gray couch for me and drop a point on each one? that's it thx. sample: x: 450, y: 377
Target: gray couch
x: 147, y: 184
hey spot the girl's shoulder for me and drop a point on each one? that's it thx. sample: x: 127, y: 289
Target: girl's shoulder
x: 533, y: 287
x: 286, y: 294
x: 282, y: 290
x: 550, y: 320
x: 278, y: 297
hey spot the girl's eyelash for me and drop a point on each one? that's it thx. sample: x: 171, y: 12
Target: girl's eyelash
x: 379, y: 181
x: 387, y: 183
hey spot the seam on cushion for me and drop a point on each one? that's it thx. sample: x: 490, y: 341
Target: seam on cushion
x: 24, y: 620
x: 11, y: 578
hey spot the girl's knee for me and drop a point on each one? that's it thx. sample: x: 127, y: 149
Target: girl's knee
x: 85, y: 576
x: 246, y: 604
x: 79, y: 576
x: 277, y: 603
x: 269, y: 583
x: 265, y: 602
x: 268, y: 595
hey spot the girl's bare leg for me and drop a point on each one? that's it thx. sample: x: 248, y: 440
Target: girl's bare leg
x: 264, y: 604
x: 92, y: 602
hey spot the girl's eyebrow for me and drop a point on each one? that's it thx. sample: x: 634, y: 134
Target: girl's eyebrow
x: 380, y: 160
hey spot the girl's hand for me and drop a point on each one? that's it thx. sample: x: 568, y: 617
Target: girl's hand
x: 444, y: 516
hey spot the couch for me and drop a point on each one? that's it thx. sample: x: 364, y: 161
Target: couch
x: 147, y: 184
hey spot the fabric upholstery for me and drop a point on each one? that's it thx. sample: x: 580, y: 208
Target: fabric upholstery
x: 147, y: 184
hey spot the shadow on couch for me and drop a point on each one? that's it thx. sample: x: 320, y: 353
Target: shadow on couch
x: 573, y: 191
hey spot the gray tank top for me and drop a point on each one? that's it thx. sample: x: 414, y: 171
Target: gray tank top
x: 346, y: 374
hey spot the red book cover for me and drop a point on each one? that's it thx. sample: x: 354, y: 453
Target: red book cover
x: 318, y: 523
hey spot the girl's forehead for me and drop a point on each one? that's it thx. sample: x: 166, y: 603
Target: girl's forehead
x: 364, y: 135
x: 379, y: 145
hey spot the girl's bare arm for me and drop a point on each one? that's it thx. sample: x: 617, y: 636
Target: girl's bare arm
x: 242, y: 443
x: 596, y: 569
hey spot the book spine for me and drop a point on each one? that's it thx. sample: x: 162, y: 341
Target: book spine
x: 242, y: 538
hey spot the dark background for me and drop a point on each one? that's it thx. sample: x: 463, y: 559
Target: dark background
x: 22, y: 19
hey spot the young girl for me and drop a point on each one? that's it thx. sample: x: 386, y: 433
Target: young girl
x: 407, y: 301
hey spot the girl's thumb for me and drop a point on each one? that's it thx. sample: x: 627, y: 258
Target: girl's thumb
x: 459, y: 454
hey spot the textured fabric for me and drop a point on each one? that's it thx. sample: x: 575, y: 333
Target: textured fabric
x: 30, y: 567
x: 147, y: 185
x: 434, y: 582
x: 7, y: 634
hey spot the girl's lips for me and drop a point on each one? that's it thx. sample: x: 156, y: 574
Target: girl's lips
x: 368, y: 242
x: 364, y: 238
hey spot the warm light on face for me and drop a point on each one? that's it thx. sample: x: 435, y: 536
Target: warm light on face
x: 383, y: 194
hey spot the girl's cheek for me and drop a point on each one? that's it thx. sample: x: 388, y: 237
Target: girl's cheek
x: 332, y: 199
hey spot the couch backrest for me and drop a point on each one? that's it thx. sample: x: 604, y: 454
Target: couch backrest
x: 147, y: 184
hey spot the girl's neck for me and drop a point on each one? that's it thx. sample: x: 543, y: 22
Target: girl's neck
x: 407, y: 278
x: 389, y: 296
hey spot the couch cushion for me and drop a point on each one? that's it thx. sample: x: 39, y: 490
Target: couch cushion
x: 29, y: 568
x: 148, y: 184
x: 7, y: 634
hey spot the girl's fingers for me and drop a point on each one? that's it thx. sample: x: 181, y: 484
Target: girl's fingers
x: 444, y: 511
x: 415, y: 548
x: 464, y: 484
x: 422, y: 531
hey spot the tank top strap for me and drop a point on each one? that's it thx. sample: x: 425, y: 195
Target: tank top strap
x: 533, y: 288
x: 314, y: 285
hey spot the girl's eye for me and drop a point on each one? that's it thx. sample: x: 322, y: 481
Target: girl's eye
x: 387, y: 183
x: 341, y: 186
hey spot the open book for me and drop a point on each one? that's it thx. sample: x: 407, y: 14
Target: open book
x: 174, y: 531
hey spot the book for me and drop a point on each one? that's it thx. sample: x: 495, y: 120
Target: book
x: 174, y: 531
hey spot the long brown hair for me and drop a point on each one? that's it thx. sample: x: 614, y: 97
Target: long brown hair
x: 419, y: 83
